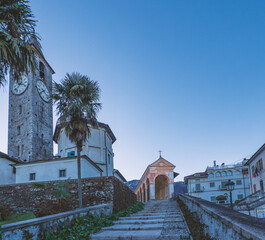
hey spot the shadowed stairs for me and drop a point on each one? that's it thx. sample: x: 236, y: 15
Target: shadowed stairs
x: 158, y: 220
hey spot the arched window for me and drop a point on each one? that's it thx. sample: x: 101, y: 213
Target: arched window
x: 210, y: 175
x: 18, y: 130
x: 218, y: 174
x: 42, y: 73
x: 223, y: 174
x: 229, y: 173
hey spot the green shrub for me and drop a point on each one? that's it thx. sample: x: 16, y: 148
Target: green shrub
x: 61, y: 190
x: 81, y: 228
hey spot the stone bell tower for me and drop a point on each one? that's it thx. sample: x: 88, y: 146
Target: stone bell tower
x: 30, y: 118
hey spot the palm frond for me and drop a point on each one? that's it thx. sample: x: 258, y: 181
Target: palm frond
x: 76, y: 99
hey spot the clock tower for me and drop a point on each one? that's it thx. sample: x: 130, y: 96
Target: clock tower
x: 30, y: 118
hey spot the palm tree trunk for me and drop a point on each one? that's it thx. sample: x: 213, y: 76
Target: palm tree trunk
x: 79, y: 178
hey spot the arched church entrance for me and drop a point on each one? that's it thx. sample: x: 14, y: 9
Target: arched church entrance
x: 161, y: 187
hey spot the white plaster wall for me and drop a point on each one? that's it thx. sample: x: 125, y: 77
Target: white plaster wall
x: 6, y: 172
x: 261, y: 176
x: 88, y: 170
x: 97, y: 147
x: 49, y: 171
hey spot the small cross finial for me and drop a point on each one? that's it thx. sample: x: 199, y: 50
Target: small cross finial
x: 160, y: 152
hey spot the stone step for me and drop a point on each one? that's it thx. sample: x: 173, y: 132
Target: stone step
x: 177, y: 218
x: 156, y: 215
x: 146, y: 221
x: 148, y: 226
x: 136, y: 235
x: 159, y: 212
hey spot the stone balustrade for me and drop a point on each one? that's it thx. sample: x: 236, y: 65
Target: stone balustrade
x: 36, y: 228
x: 223, y: 223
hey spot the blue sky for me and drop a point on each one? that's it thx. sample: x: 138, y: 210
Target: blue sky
x: 186, y: 77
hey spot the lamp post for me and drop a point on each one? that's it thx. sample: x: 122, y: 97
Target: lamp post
x: 230, y: 187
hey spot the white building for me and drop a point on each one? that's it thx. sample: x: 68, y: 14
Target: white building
x: 210, y: 184
x: 7, y: 171
x: 256, y: 166
x: 55, y: 169
x: 96, y: 160
x: 98, y: 146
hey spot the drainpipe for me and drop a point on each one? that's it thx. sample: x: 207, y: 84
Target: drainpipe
x: 106, y: 154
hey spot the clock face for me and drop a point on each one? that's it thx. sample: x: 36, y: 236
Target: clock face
x: 43, y: 91
x: 20, y: 85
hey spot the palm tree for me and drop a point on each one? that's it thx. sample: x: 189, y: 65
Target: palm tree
x: 76, y: 99
x: 17, y: 33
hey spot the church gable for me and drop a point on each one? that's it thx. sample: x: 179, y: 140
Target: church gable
x: 161, y: 162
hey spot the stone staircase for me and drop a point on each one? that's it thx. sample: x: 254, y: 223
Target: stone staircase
x: 251, y: 202
x: 158, y: 220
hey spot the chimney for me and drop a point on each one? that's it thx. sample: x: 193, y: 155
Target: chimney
x: 214, y: 163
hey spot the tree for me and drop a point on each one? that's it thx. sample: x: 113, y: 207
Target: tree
x: 17, y: 39
x: 76, y: 99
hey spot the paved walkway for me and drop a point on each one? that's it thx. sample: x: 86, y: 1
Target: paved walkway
x: 158, y: 220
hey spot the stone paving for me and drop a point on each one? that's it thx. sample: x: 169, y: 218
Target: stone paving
x: 158, y: 220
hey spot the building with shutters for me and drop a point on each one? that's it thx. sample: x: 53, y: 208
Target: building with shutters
x: 210, y: 184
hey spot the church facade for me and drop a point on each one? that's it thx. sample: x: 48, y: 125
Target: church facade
x: 157, y: 182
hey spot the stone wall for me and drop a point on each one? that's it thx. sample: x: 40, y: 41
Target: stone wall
x: 123, y: 196
x: 223, y: 223
x: 36, y: 228
x: 97, y: 190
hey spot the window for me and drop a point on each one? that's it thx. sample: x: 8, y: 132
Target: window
x: 260, y: 165
x: 213, y: 199
x: 223, y: 185
x: 255, y: 189
x: 42, y: 75
x: 42, y: 138
x: 71, y: 154
x: 240, y: 196
x: 261, y: 185
x: 210, y: 175
x: 32, y: 176
x: 212, y: 184
x: 229, y: 173
x: 238, y: 172
x: 238, y: 182
x: 198, y: 187
x: 62, y: 173
x: 223, y: 174
x: 108, y: 159
x: 18, y: 151
x: 20, y: 109
x: 218, y: 174
x: 18, y: 130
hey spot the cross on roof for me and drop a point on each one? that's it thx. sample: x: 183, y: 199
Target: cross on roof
x: 160, y: 152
